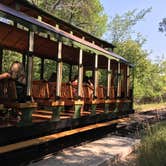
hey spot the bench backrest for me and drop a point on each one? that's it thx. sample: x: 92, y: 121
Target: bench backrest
x: 67, y: 91
x: 52, y: 89
x: 100, y: 92
x: 87, y: 92
x: 7, y: 90
x: 47, y: 90
x: 40, y: 90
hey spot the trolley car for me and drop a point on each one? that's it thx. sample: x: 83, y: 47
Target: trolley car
x: 27, y: 29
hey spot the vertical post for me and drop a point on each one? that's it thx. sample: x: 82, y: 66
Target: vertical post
x: 132, y: 85
x: 132, y: 91
x: 1, y: 59
x: 24, y: 60
x: 80, y: 76
x: 70, y: 74
x: 30, y: 64
x: 108, y: 78
x: 128, y: 81
x: 59, y: 71
x: 96, y: 76
x: 42, y: 69
x: 119, y: 81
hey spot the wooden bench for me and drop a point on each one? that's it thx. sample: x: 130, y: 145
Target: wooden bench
x: 89, y: 97
x: 8, y: 97
x: 45, y: 95
x: 113, y: 104
x: 67, y: 97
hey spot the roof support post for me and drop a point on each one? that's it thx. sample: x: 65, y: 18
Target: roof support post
x: 80, y: 76
x: 128, y: 82
x: 59, y: 71
x: 1, y: 59
x: 24, y: 60
x: 42, y: 69
x: 119, y: 81
x: 132, y: 87
x: 30, y: 63
x: 108, y: 78
x: 96, y: 76
x: 70, y: 74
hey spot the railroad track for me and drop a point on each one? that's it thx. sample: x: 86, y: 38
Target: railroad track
x: 22, y: 153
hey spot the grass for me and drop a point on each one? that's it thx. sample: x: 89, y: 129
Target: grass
x: 146, y: 107
x: 152, y: 151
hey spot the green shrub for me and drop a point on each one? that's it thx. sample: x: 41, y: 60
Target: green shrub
x: 152, y: 151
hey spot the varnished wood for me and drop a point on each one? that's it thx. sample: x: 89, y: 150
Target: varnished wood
x: 40, y: 90
x: 7, y: 91
x: 88, y: 95
x: 21, y: 105
x: 45, y: 94
x: 47, y: 117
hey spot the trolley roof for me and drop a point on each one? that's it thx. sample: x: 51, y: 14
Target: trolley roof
x: 16, y: 39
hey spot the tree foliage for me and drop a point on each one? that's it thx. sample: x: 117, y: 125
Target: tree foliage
x: 162, y: 26
x: 85, y: 14
x: 149, y: 77
x: 121, y: 27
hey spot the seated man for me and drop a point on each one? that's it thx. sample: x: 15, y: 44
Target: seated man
x: 17, y: 73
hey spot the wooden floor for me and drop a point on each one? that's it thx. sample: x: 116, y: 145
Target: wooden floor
x: 40, y: 116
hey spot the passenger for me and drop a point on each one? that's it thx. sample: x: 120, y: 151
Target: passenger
x: 17, y: 73
x: 85, y: 80
x: 75, y: 81
x: 53, y: 77
x: 90, y: 81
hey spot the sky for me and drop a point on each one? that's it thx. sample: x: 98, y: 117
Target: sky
x: 148, y: 27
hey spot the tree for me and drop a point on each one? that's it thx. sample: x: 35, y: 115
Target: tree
x: 121, y: 27
x: 85, y: 14
x: 148, y: 79
x: 162, y: 26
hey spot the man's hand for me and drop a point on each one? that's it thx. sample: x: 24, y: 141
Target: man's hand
x: 5, y: 75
